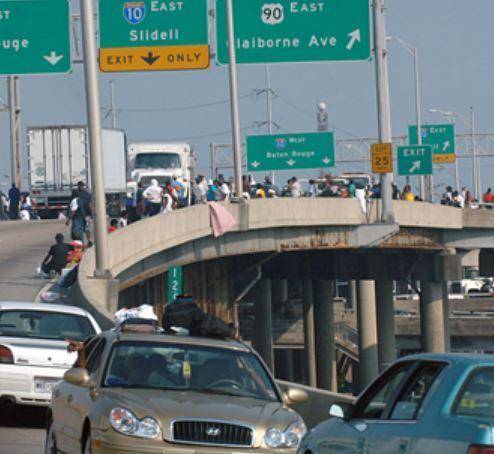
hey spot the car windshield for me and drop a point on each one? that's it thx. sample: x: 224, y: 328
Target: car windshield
x: 157, y: 161
x: 44, y: 325
x: 477, y: 397
x: 188, y: 368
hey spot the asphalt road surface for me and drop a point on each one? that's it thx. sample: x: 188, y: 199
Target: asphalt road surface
x: 23, y: 245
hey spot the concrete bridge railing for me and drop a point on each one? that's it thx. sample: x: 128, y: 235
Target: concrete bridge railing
x: 263, y: 225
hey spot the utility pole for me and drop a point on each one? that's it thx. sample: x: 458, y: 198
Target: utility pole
x: 95, y: 140
x: 383, y: 103
x: 112, y: 102
x: 269, y: 109
x: 237, y: 143
x: 477, y: 186
x: 15, y: 130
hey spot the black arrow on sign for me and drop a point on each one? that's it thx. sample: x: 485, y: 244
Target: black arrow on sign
x: 151, y: 58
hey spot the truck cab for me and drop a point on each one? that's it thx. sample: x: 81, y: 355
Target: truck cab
x: 159, y: 161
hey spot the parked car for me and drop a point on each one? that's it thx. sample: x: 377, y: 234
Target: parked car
x: 422, y: 404
x: 156, y: 393
x: 33, y: 348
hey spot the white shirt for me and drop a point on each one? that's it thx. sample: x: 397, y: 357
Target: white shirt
x: 153, y: 194
x: 225, y: 190
x: 74, y: 206
x: 168, y: 204
x: 122, y: 222
x: 295, y: 189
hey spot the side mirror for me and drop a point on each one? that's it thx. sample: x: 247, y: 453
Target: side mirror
x: 295, y: 396
x: 79, y: 377
x: 336, y: 411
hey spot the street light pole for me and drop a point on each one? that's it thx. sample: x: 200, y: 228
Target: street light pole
x: 95, y: 140
x: 383, y: 103
x: 237, y: 143
x: 15, y: 130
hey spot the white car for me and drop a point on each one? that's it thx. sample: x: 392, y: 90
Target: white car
x: 33, y: 348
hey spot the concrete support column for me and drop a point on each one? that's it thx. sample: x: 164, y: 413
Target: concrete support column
x: 284, y: 366
x: 367, y: 333
x: 279, y: 290
x: 447, y: 332
x: 324, y: 336
x: 352, y: 294
x: 432, y: 317
x: 310, y: 347
x: 386, y: 338
x: 263, y: 334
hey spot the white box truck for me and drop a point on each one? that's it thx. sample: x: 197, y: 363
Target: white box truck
x: 58, y: 158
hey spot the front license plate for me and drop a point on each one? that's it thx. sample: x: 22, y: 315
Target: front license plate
x: 45, y: 385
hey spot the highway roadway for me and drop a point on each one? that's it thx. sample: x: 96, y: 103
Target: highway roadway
x: 23, y: 246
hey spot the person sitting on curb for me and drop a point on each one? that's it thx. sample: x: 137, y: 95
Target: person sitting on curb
x: 56, y: 259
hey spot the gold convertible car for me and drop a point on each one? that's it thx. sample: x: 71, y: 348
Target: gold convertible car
x: 155, y: 393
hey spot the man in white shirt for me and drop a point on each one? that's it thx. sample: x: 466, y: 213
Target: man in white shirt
x: 154, y: 195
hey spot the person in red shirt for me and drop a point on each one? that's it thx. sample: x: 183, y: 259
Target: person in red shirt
x: 488, y: 196
x: 113, y: 226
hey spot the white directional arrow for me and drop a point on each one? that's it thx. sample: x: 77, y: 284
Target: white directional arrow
x: 255, y: 164
x: 446, y: 145
x: 291, y: 162
x: 416, y: 166
x: 355, y: 37
x: 53, y: 58
x: 326, y: 161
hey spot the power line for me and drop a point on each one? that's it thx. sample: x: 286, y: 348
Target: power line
x: 177, y: 108
x: 205, y: 136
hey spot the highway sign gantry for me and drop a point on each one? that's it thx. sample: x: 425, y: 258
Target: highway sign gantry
x: 415, y: 160
x: 382, y: 158
x: 290, y: 151
x: 275, y: 31
x: 34, y: 37
x: 440, y: 137
x: 153, y: 35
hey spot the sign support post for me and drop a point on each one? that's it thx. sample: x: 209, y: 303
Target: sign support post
x: 383, y: 104
x: 15, y: 131
x: 95, y: 140
x: 237, y: 142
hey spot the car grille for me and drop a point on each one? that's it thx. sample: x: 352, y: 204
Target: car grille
x: 211, y: 433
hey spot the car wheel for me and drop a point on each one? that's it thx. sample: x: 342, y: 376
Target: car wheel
x: 51, y: 441
x: 87, y: 444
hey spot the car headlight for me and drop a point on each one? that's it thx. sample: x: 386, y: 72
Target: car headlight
x: 125, y: 422
x: 290, y: 438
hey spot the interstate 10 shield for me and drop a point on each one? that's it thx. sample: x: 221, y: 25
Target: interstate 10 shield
x: 134, y: 12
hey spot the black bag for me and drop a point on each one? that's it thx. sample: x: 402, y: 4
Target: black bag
x: 190, y: 316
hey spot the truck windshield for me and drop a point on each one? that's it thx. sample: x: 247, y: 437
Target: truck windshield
x: 149, y: 365
x: 158, y: 161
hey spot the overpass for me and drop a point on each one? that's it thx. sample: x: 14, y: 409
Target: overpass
x: 314, y: 240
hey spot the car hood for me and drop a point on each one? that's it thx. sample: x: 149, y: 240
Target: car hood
x: 167, y: 406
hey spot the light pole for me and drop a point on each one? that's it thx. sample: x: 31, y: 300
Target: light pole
x: 470, y: 124
x: 414, y: 52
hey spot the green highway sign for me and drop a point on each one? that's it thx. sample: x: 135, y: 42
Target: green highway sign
x: 440, y: 137
x: 295, y: 31
x: 415, y: 160
x: 34, y: 37
x: 174, y: 283
x: 290, y: 151
x: 150, y: 35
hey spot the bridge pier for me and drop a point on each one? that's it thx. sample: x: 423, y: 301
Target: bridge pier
x: 386, y: 338
x: 325, y: 335
x: 366, y: 322
x: 432, y: 317
x: 309, y: 337
x: 263, y: 334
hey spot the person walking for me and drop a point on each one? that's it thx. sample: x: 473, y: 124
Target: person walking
x: 14, y: 200
x: 154, y: 195
x: 77, y: 215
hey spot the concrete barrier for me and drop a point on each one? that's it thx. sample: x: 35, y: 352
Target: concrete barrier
x: 316, y: 409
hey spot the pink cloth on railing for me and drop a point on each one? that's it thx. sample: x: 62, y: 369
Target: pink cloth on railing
x: 221, y: 219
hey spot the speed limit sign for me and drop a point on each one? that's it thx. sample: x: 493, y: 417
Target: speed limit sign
x: 382, y: 158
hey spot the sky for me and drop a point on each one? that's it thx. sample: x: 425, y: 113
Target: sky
x: 454, y: 39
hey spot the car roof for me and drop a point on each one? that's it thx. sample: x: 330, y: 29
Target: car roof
x: 178, y: 339
x: 452, y: 358
x: 44, y: 307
